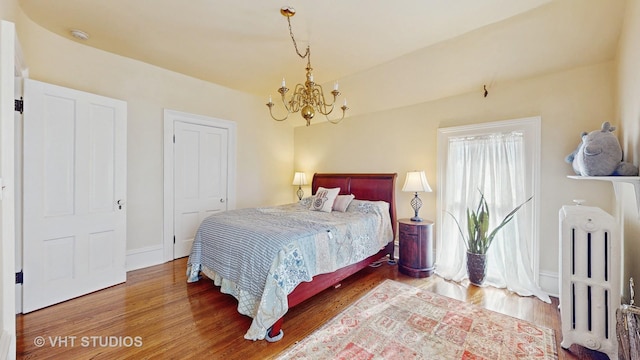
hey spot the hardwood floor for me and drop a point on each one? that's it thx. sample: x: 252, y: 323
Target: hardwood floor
x: 156, y: 314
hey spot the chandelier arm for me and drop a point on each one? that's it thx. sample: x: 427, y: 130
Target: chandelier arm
x: 322, y: 106
x: 316, y: 93
x: 284, y: 103
x: 298, y: 98
x: 323, y: 110
x: 270, y: 105
x: 335, y: 121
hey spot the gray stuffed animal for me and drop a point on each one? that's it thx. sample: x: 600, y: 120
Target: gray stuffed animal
x: 600, y: 154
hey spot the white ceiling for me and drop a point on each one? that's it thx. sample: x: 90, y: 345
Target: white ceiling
x: 443, y: 46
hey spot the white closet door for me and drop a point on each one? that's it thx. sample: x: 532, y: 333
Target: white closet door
x: 74, y: 193
x: 200, y: 179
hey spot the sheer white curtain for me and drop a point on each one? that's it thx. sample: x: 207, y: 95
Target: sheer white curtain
x: 494, y: 164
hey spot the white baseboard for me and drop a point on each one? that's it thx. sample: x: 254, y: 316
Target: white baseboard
x: 549, y: 283
x: 144, y: 257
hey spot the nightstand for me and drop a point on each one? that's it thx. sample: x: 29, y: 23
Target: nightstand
x: 416, y: 248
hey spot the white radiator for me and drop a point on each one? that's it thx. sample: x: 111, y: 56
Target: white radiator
x: 589, y: 278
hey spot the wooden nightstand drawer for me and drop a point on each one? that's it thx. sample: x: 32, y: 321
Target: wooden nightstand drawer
x: 408, y: 229
x: 409, y: 237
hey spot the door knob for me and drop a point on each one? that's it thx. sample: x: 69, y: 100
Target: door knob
x: 120, y: 204
x: 221, y: 200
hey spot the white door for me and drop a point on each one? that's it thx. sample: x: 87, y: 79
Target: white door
x: 200, y: 179
x: 74, y: 191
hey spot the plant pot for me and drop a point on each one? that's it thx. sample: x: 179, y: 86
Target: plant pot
x: 476, y: 267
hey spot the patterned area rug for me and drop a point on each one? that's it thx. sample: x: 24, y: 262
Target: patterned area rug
x: 399, y: 321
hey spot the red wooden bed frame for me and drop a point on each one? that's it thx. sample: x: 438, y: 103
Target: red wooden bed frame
x: 364, y: 187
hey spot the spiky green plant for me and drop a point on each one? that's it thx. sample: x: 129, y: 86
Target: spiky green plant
x: 479, y: 239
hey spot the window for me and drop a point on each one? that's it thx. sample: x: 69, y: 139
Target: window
x: 501, y: 159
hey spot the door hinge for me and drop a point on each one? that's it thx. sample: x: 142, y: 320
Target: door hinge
x: 174, y: 239
x: 19, y: 277
x: 174, y: 138
x: 19, y: 105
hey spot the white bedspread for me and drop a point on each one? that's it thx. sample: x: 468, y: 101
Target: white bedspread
x: 260, y: 255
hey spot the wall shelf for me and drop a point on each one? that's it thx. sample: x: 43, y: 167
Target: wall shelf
x: 616, y: 181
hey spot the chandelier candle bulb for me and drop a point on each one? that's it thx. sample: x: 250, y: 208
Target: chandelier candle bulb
x: 283, y: 83
x: 335, y: 86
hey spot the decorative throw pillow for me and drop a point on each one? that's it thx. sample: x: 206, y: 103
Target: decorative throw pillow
x: 324, y: 198
x: 342, y: 202
x: 306, y: 202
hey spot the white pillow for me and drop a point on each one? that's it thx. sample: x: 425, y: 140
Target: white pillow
x: 342, y: 202
x: 324, y: 198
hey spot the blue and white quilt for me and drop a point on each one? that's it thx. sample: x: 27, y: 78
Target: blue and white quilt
x: 259, y: 255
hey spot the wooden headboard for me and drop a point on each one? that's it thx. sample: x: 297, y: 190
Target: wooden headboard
x: 372, y: 187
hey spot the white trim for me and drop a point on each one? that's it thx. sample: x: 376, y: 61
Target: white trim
x: 5, y: 346
x: 170, y: 117
x: 618, y: 189
x: 549, y: 283
x: 18, y: 299
x: 8, y: 45
x: 20, y: 66
x: 532, y: 132
x: 19, y: 150
x: 144, y: 257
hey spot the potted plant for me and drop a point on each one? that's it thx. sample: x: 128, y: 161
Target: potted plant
x: 479, y: 238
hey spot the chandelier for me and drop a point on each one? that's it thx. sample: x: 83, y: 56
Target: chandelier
x: 307, y: 98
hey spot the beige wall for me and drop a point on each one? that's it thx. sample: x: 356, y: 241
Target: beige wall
x: 264, y: 147
x: 628, y: 111
x: 8, y: 10
x: 404, y: 139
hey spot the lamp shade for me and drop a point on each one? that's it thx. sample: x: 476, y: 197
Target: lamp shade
x: 416, y: 181
x: 299, y: 179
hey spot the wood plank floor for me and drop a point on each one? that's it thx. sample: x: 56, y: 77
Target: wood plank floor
x: 157, y: 315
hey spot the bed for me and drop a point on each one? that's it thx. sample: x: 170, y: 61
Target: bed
x: 296, y: 252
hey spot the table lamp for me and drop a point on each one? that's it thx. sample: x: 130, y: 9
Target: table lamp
x: 299, y: 178
x: 416, y: 181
